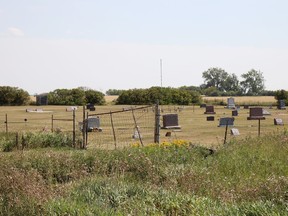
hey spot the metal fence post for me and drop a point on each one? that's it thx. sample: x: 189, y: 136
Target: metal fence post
x: 157, y: 124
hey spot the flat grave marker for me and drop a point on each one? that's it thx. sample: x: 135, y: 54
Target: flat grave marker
x: 210, y: 118
x: 278, y: 121
x: 235, y: 132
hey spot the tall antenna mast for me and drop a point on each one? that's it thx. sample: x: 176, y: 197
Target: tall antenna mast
x: 161, y: 71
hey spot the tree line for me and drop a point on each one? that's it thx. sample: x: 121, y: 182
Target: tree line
x: 217, y: 82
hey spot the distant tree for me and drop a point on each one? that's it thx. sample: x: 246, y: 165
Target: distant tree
x: 94, y: 97
x: 11, y: 96
x: 162, y: 95
x: 114, y: 92
x: 253, y: 82
x: 281, y: 95
x: 76, y: 96
x: 215, y: 77
x: 231, y: 83
x: 191, y: 88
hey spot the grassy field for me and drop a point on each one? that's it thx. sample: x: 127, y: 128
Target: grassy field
x: 248, y: 177
x: 194, y: 126
x: 189, y: 173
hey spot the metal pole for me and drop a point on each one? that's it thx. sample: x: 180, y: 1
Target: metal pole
x: 137, y: 128
x: 113, y: 130
x: 225, y: 137
x: 86, y: 131
x: 161, y: 71
x: 259, y: 127
x: 157, y: 124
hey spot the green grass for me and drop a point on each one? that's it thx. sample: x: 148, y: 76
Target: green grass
x: 244, y: 177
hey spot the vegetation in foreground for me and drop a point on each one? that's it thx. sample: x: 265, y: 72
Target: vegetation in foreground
x: 247, y: 177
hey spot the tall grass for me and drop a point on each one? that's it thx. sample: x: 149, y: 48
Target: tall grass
x: 246, y: 177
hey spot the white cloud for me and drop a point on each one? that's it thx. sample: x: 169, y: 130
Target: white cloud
x: 12, y: 31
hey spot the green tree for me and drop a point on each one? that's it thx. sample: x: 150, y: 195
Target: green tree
x: 215, y: 77
x: 253, y: 82
x: 11, y: 96
x: 114, y: 92
x: 94, y: 97
x: 231, y: 83
x: 163, y: 95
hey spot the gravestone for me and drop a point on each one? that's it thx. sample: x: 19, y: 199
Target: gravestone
x: 209, y: 110
x: 90, y: 106
x: 234, y: 112
x: 278, y: 121
x: 229, y: 121
x: 210, y: 118
x: 265, y: 112
x: 256, y: 113
x: 281, y: 104
x: 230, y: 103
x: 235, y: 132
x: 136, y: 134
x: 92, y: 124
x: 246, y: 106
x: 71, y: 108
x: 170, y: 121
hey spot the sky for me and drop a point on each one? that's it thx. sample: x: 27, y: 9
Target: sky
x: 112, y: 44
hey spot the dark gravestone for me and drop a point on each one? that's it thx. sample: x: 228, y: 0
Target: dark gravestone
x: 89, y: 106
x: 202, y: 105
x: 229, y: 121
x: 256, y: 113
x: 278, y: 121
x: 281, y: 104
x: 92, y: 108
x: 170, y: 121
x: 210, y: 118
x: 234, y: 112
x: 246, y: 106
x: 209, y: 110
x: 235, y: 132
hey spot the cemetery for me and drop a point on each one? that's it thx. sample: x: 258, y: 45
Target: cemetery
x: 191, y: 123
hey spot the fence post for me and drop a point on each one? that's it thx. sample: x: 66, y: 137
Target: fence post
x: 226, y: 128
x: 137, y: 128
x: 157, y: 124
x: 17, y: 140
x: 74, y: 139
x: 52, y: 124
x: 6, y: 123
x: 113, y: 130
x: 83, y: 128
x: 86, y: 131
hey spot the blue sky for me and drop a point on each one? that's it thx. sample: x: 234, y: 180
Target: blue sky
x: 49, y: 44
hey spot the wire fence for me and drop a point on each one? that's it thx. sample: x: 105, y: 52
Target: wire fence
x: 122, y: 126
